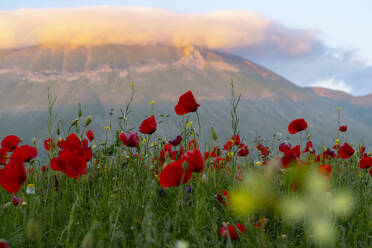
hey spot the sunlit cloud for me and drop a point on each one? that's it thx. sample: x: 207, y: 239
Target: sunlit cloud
x: 225, y: 30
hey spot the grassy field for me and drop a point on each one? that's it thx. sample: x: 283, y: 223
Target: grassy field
x: 118, y: 200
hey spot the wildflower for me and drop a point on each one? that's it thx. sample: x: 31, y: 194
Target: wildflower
x: 297, y: 126
x: 90, y: 135
x: 259, y: 163
x: 94, y: 146
x: 345, y: 151
x: 72, y: 159
x: 285, y: 147
x: 222, y: 198
x: 47, y: 143
x: 174, y: 175
x: 30, y: 189
x: 152, y: 102
x: 24, y: 153
x: 309, y: 148
x: 189, y: 124
x: 230, y: 231
x: 244, y: 151
x: 186, y: 104
x: 176, y: 141
x: 131, y: 84
x: 130, y: 138
x: 338, y: 109
x: 365, y: 163
x: 343, y: 128
x: 9, y: 143
x: 15, y: 200
x: 148, y: 126
x: 107, y: 128
x: 12, y: 176
x: 195, y: 160
x: 44, y: 168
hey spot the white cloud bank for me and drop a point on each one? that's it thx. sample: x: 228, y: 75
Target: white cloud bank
x: 332, y: 83
x: 229, y: 30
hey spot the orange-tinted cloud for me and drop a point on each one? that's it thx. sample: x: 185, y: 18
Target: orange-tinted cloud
x: 226, y: 30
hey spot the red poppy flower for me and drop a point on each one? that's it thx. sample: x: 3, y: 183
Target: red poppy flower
x: 345, y: 151
x: 15, y: 200
x: 3, y: 153
x: 195, y: 160
x: 193, y: 144
x: 3, y: 244
x: 148, y: 126
x: 325, y: 169
x: 47, y: 144
x: 24, y: 153
x: 230, y: 231
x: 176, y: 141
x: 290, y: 156
x: 244, y: 151
x: 285, y: 147
x: 44, y: 168
x: 174, y: 175
x: 90, y: 135
x: 221, y: 198
x: 69, y: 163
x: 186, y: 104
x: 309, y: 148
x: 218, y: 163
x: 297, y: 126
x: 343, y: 128
x: 216, y: 152
x: 365, y: 163
x: 72, y: 159
x: 130, y: 138
x: 10, y: 142
x: 12, y: 176
x: 165, y: 151
x: 265, y: 151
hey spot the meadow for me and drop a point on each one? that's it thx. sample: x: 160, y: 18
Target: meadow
x: 136, y: 189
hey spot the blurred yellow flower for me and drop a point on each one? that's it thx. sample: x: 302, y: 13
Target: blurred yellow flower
x: 189, y: 124
x: 152, y: 102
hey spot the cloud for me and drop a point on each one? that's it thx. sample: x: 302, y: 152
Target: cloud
x: 332, y: 83
x: 233, y: 30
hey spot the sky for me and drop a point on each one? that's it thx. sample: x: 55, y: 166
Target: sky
x: 312, y: 43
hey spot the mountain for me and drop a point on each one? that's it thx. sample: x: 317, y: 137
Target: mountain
x: 99, y: 78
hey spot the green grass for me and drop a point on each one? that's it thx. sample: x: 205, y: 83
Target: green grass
x: 119, y: 203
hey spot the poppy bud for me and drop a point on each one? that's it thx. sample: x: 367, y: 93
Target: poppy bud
x: 58, y: 131
x: 74, y: 122
x: 34, y: 141
x: 32, y: 230
x: 88, y: 120
x: 213, y: 134
x: 80, y: 113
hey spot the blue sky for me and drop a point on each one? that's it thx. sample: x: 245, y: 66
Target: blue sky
x: 343, y: 26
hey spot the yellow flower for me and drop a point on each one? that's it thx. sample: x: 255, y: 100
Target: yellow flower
x: 153, y: 144
x: 338, y: 109
x: 258, y: 163
x: 107, y: 128
x: 94, y: 146
x: 152, y: 102
x: 60, y: 139
x: 131, y: 84
x: 337, y: 141
x: 189, y: 124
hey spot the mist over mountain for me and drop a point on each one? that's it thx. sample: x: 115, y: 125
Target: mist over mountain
x: 99, y: 78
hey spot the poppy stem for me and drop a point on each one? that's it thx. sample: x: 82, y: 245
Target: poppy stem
x: 197, y: 116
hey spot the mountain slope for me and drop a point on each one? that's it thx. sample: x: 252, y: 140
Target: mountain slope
x: 99, y: 78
